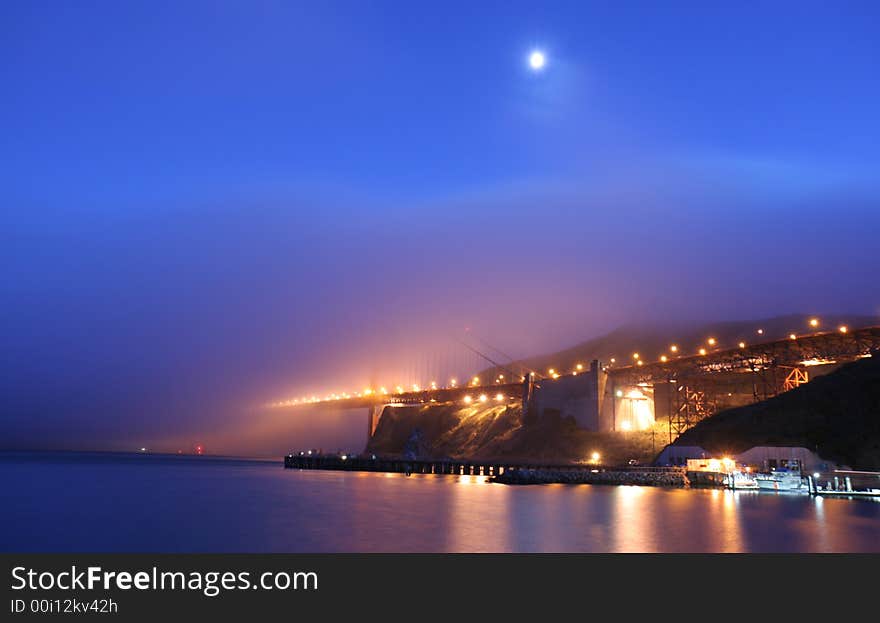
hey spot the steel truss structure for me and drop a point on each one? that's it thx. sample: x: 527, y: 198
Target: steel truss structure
x: 696, y: 383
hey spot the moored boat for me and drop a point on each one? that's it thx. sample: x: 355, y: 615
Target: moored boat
x: 741, y: 480
x: 784, y: 480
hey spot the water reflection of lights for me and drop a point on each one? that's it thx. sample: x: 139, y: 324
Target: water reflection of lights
x: 725, y: 517
x: 477, y: 518
x: 629, y: 491
x: 634, y: 531
x: 472, y: 480
x: 821, y: 525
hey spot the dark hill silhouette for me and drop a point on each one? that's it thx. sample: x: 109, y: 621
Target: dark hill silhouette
x: 836, y: 415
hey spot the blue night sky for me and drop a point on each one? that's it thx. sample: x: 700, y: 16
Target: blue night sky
x: 209, y: 205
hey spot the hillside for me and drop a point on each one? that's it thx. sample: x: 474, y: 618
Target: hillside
x: 451, y: 431
x: 836, y: 415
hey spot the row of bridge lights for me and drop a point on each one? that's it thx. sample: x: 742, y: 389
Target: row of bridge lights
x: 383, y: 391
x: 552, y: 372
x: 483, y: 398
x: 711, y: 342
x: 813, y: 322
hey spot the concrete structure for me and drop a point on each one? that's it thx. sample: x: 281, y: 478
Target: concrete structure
x: 579, y: 396
x: 374, y: 412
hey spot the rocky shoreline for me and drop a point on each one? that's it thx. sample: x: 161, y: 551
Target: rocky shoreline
x: 654, y: 477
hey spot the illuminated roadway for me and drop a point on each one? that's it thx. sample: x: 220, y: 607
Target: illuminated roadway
x: 816, y: 348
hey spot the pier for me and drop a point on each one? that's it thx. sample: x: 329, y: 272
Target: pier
x: 371, y: 463
x: 501, y: 471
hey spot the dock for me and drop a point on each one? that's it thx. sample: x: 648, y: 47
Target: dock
x: 505, y: 472
x: 845, y: 484
x: 373, y: 463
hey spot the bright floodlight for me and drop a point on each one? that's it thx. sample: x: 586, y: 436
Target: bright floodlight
x: 537, y: 60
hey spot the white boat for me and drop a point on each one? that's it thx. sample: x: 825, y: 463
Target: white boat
x: 741, y: 480
x: 782, y: 480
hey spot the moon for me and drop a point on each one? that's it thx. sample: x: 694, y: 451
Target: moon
x: 537, y: 60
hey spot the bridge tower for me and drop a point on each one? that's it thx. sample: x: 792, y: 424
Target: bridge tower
x: 528, y: 392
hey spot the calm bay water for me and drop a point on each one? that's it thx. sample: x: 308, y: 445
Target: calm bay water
x: 134, y: 503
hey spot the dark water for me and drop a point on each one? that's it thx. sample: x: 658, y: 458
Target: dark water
x: 69, y: 502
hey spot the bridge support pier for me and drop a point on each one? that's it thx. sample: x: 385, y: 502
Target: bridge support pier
x: 374, y: 413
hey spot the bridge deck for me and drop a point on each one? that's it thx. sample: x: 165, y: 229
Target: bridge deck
x: 826, y: 347
x: 508, y: 391
x: 816, y: 348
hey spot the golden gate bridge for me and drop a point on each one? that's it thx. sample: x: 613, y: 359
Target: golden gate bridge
x: 629, y: 392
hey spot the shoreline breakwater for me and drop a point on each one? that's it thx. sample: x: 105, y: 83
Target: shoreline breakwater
x: 653, y: 477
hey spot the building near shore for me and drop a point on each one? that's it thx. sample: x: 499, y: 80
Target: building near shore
x: 763, y: 458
